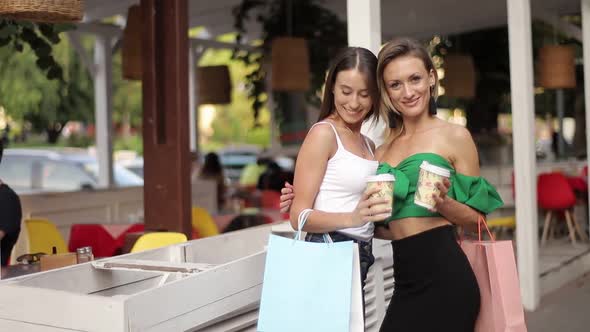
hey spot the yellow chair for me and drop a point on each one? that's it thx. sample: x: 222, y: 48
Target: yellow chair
x: 203, y: 223
x: 501, y: 224
x: 157, y: 239
x: 43, y: 236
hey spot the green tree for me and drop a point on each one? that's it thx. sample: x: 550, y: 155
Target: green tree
x: 39, y: 37
x: 27, y: 94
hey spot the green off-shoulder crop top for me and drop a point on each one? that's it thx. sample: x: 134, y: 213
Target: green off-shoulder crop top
x: 474, y: 191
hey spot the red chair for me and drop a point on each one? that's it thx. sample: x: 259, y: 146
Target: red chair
x: 555, y: 194
x: 93, y: 235
x: 270, y: 199
x: 120, y: 240
x: 578, y: 184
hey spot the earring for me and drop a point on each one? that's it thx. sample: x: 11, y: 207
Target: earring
x: 391, y: 119
x: 432, y: 104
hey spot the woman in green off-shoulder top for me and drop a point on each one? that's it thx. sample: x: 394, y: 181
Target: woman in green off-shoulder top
x: 435, y: 288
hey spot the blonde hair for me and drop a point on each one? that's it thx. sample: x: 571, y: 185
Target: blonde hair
x: 396, y: 48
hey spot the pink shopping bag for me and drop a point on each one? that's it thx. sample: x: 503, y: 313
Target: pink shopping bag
x: 495, y: 269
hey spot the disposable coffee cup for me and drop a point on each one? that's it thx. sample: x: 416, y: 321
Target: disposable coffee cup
x: 426, y: 186
x: 385, y: 183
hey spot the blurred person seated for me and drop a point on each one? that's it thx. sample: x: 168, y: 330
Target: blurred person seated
x: 273, y: 178
x: 212, y: 170
x: 10, y: 217
x: 251, y: 173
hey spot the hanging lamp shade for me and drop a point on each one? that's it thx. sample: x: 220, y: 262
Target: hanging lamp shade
x: 290, y: 64
x: 132, y: 46
x: 48, y: 11
x: 459, y: 80
x: 556, y: 68
x: 213, y: 85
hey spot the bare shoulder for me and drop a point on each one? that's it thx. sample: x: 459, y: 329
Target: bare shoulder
x: 462, y: 150
x: 456, y: 134
x: 320, y: 137
x: 322, y: 132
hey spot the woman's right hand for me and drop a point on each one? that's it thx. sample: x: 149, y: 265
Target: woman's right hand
x: 287, y: 195
x: 370, y: 209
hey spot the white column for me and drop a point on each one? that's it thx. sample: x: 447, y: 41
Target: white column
x: 364, y: 30
x: 364, y: 24
x: 523, y: 124
x: 192, y: 100
x: 586, y: 51
x: 103, y: 108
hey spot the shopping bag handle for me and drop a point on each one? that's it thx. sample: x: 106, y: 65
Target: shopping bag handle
x: 301, y: 220
x: 480, y: 220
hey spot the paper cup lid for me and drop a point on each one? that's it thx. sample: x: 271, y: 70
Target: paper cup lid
x: 381, y: 177
x: 435, y: 169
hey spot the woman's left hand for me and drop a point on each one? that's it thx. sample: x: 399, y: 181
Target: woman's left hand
x: 442, y: 201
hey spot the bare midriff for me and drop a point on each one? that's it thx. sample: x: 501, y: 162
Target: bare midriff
x: 402, y: 228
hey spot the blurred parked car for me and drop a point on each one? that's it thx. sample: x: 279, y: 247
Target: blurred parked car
x: 37, y: 170
x: 235, y: 158
x: 135, y: 165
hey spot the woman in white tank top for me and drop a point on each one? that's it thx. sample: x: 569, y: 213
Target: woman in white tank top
x: 335, y: 159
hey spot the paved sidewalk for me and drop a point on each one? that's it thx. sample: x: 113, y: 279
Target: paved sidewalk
x: 565, y: 310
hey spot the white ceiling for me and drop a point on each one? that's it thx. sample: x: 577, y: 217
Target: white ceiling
x: 417, y: 18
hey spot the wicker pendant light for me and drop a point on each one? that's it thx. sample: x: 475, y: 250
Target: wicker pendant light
x: 213, y: 85
x: 49, y: 11
x: 459, y: 80
x: 290, y: 64
x: 556, y: 68
x: 132, y: 46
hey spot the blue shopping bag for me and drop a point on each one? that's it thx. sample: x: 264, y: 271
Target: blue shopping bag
x: 310, y: 287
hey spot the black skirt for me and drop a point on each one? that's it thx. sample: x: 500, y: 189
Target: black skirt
x: 435, y: 288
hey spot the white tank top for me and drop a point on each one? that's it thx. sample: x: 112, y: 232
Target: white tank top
x: 344, y: 184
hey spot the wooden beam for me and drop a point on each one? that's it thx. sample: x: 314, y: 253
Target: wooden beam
x: 586, y: 50
x: 165, y: 117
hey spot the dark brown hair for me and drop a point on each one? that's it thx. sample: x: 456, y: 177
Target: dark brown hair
x: 357, y: 58
x: 212, y: 165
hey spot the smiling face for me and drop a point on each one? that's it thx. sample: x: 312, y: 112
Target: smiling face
x: 352, y: 98
x: 408, y: 84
